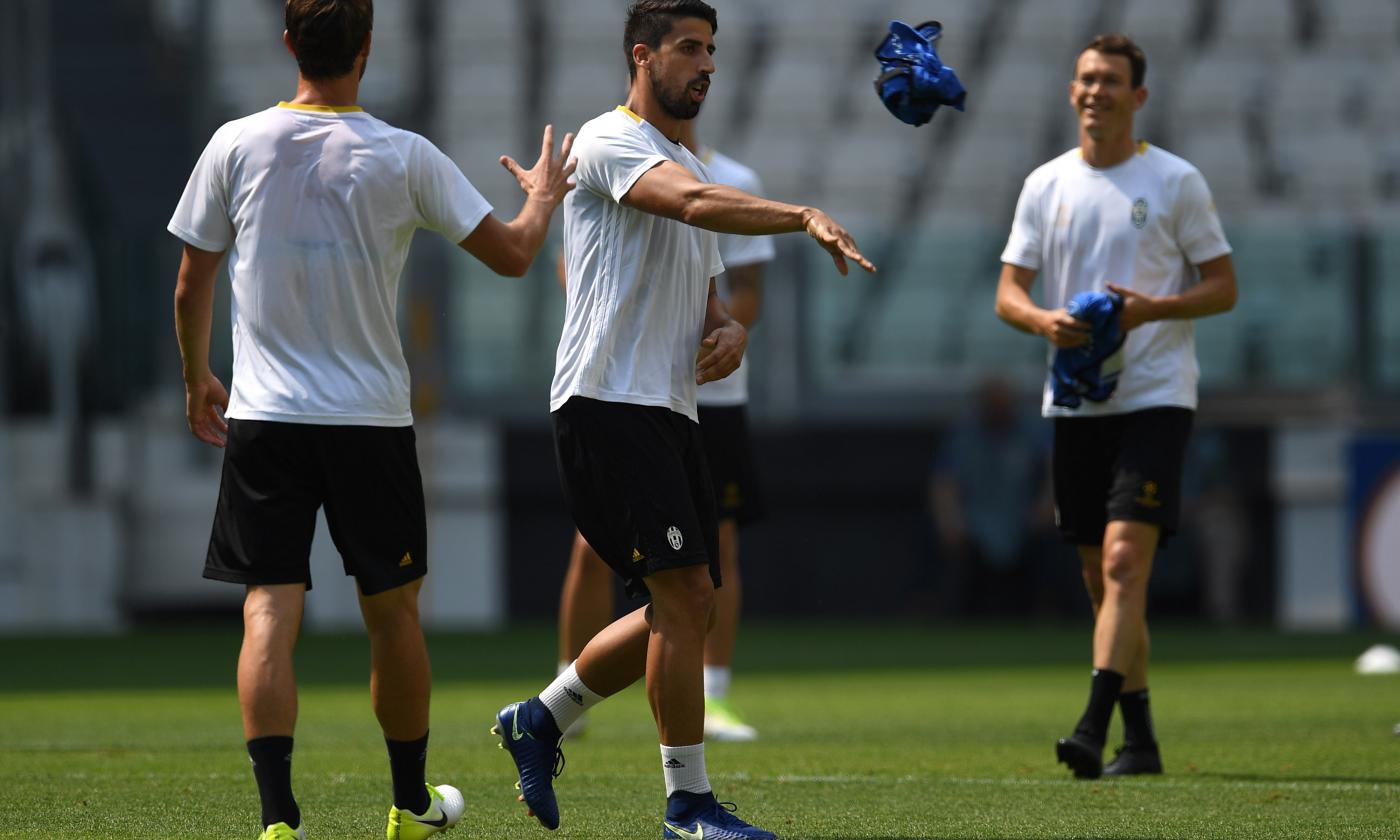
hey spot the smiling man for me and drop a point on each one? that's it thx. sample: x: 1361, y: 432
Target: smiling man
x: 643, y: 327
x: 1119, y: 215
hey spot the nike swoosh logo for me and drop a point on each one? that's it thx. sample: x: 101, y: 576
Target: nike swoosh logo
x: 515, y: 733
x: 440, y: 822
x: 697, y: 834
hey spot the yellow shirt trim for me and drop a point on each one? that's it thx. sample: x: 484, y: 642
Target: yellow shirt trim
x: 320, y: 109
x: 1142, y: 147
x: 628, y: 111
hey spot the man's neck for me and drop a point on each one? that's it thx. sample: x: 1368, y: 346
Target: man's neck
x: 1108, y: 152
x: 642, y: 102
x: 340, y: 92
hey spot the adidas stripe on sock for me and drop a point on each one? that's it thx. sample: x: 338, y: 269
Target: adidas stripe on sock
x: 567, y: 698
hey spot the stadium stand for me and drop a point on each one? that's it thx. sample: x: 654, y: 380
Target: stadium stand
x: 1257, y: 93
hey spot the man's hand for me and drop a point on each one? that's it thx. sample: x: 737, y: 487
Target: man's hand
x: 836, y: 240
x: 205, y: 401
x: 1138, y: 308
x: 721, y: 352
x: 1063, y: 329
x: 549, y: 179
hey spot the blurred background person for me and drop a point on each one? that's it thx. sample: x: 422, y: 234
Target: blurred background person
x: 990, y: 497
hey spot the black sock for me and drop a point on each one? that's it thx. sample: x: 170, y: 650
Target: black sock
x: 1103, y: 694
x: 407, y: 762
x: 272, y: 768
x: 1137, y: 719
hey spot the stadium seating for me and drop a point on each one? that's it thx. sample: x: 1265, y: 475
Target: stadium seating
x: 1271, y: 100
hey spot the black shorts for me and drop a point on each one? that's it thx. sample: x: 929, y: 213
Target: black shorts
x: 276, y: 476
x: 1121, y: 467
x: 636, y: 482
x: 729, y: 453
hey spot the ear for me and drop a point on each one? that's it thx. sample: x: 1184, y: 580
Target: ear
x: 641, y: 55
x: 287, y: 42
x: 1139, y: 98
x: 364, y: 50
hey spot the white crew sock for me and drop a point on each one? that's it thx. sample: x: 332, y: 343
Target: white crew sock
x: 684, y: 768
x: 567, y: 698
x: 717, y: 681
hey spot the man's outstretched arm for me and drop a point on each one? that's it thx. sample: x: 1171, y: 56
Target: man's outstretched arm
x: 669, y: 189
x: 508, y: 248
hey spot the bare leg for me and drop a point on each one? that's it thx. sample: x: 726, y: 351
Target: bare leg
x: 586, y: 601
x: 267, y: 690
x: 400, y: 680
x: 682, y: 608
x: 1120, y: 630
x: 1135, y: 677
x: 719, y: 644
x: 616, y: 656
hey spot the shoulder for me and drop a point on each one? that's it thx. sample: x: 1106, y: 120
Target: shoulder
x: 1052, y: 170
x: 260, y: 122
x: 608, y: 128
x: 1172, y: 169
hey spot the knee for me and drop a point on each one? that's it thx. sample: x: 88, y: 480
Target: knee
x: 1125, y: 567
x: 393, y: 612
x: 689, y: 593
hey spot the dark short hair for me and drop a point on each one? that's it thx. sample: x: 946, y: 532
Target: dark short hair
x: 326, y: 35
x: 1116, y: 43
x: 648, y: 21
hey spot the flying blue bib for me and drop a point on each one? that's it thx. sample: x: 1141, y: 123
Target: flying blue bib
x: 913, y: 81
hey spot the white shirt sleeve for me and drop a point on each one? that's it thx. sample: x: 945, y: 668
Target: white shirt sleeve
x: 1198, y: 229
x: 202, y: 216
x: 612, y: 159
x: 1023, y: 248
x: 738, y: 251
x: 446, y: 201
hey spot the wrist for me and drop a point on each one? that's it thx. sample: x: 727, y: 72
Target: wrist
x: 194, y: 377
x: 807, y: 214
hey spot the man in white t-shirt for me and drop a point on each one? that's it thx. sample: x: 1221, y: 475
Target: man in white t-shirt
x: 315, y: 202
x: 586, y: 601
x: 643, y: 327
x: 1118, y: 215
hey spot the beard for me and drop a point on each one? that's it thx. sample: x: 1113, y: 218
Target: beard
x: 676, y: 102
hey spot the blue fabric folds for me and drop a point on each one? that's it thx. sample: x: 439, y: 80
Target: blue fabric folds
x: 1077, y: 372
x: 913, y: 81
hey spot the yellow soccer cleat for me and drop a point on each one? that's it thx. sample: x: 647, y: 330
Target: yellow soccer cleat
x: 282, y: 831
x: 722, y: 723
x: 444, y: 810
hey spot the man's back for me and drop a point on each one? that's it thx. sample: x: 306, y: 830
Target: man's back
x: 317, y: 207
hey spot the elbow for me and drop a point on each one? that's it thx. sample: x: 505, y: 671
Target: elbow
x: 693, y: 205
x: 1003, y: 312
x: 514, y: 264
x: 1230, y: 298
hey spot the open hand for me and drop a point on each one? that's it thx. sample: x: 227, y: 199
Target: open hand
x: 205, y: 401
x: 836, y: 240
x: 549, y: 179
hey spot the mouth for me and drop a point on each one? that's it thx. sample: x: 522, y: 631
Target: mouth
x: 699, y: 89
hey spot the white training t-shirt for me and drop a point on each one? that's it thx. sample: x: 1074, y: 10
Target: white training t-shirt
x: 317, y: 207
x: 1143, y: 224
x: 637, y: 283
x: 735, y: 251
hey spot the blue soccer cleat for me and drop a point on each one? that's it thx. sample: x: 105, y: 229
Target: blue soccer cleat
x: 528, y: 732
x: 697, y: 816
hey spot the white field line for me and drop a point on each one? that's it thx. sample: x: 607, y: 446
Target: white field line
x: 1178, y: 784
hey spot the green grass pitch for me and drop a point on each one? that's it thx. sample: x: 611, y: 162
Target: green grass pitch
x: 890, y: 731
